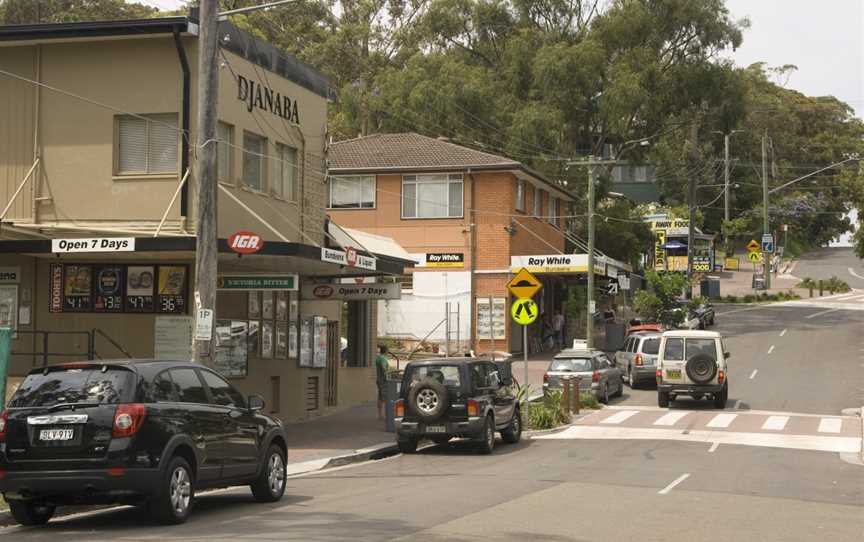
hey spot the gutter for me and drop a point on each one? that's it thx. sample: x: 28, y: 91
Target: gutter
x: 472, y: 227
x: 184, y: 116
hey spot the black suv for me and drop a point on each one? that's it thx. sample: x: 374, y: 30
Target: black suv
x: 457, y: 397
x: 135, y: 432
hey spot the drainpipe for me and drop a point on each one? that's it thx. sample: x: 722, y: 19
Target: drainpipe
x: 184, y: 120
x: 472, y: 228
x: 34, y: 181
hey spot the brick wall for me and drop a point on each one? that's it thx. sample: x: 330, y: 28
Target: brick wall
x: 315, y: 198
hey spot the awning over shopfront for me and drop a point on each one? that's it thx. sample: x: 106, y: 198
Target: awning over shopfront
x: 374, y: 244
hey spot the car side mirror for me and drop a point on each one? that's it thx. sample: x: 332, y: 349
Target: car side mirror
x: 256, y: 403
x: 727, y: 355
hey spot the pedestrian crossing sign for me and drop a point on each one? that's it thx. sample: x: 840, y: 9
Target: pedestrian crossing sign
x: 755, y: 257
x: 524, y: 311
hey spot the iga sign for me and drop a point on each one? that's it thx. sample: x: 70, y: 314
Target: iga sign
x: 104, y: 244
x: 343, y: 258
x: 245, y: 242
x: 351, y: 292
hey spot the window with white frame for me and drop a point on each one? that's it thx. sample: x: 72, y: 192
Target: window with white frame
x: 520, y: 195
x: 352, y: 192
x: 224, y: 151
x: 147, y: 144
x: 432, y: 196
x: 554, y: 210
x: 254, y: 153
x: 538, y: 203
x: 285, y: 168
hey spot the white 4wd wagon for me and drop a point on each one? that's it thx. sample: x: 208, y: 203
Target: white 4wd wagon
x: 692, y: 363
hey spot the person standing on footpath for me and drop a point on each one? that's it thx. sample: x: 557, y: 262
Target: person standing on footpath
x: 382, y: 366
x: 558, y: 328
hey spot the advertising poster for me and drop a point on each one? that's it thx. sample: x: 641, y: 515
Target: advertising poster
x: 293, y: 308
x: 173, y: 338
x: 140, y: 288
x: 254, y: 305
x: 282, y: 306
x: 281, y: 341
x: 109, y: 289
x: 292, y: 340
x: 267, y: 340
x: 267, y: 306
x: 306, y: 342
x: 77, y: 287
x: 254, y: 342
x: 9, y: 306
x: 319, y: 359
x: 172, y: 289
x: 231, y: 357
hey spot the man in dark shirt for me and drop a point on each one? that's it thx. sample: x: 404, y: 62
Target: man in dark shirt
x: 382, y: 366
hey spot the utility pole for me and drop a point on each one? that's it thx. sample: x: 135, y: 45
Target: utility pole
x: 589, y: 332
x: 691, y: 204
x: 765, y: 225
x: 726, y: 180
x: 206, y: 226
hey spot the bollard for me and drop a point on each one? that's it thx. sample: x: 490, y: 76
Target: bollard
x: 820, y: 288
x: 565, y: 397
x: 811, y: 291
x: 578, y: 394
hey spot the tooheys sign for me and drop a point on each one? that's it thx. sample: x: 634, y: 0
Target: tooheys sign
x: 245, y: 242
x: 350, y: 292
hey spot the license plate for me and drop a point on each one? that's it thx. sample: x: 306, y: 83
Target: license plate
x: 436, y: 429
x: 56, y: 434
x: 673, y: 373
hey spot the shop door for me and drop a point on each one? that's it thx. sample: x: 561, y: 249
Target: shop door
x: 333, y: 353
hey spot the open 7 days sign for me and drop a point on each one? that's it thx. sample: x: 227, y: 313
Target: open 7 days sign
x: 103, y: 244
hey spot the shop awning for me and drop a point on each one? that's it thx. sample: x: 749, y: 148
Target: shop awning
x: 376, y: 245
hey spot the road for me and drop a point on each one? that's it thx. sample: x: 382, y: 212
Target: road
x: 827, y: 262
x: 781, y: 463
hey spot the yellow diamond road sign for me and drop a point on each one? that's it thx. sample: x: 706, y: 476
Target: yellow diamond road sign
x: 753, y: 246
x: 524, y: 285
x: 524, y: 311
x: 755, y: 257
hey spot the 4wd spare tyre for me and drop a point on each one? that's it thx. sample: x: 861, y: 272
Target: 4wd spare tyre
x: 428, y: 399
x: 701, y: 368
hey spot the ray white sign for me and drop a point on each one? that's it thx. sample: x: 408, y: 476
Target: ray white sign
x: 96, y: 244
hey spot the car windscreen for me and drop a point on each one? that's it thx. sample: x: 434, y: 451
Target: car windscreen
x: 651, y: 346
x: 570, y: 365
x: 445, y: 374
x: 701, y: 346
x: 98, y: 384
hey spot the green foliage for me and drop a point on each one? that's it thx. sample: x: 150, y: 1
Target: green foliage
x: 836, y: 285
x: 549, y: 412
x: 659, y: 302
x: 749, y: 298
x: 807, y: 283
x: 67, y: 11
x: 588, y: 400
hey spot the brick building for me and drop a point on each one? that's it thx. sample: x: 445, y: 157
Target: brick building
x: 469, y: 219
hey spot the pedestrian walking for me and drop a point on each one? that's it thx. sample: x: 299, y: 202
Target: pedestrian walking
x: 382, y: 365
x: 558, y: 328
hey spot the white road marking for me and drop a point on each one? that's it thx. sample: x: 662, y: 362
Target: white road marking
x: 771, y: 349
x: 721, y: 420
x: 783, y: 332
x: 822, y: 313
x: 775, y: 423
x: 674, y: 483
x: 619, y: 417
x: 854, y: 274
x: 713, y: 447
x: 830, y: 425
x: 753, y: 374
x: 671, y: 418
x: 816, y: 443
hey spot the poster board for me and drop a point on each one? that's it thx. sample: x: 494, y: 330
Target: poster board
x: 319, y: 358
x: 173, y: 338
x: 232, y: 351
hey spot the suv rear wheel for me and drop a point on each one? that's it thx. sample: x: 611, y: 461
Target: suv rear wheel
x: 270, y: 485
x: 663, y: 399
x: 488, y: 436
x: 176, y: 493
x: 513, y: 433
x: 407, y: 445
x: 721, y: 397
x: 31, y: 513
x: 631, y: 379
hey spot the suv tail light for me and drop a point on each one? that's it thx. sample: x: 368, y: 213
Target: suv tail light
x: 659, y: 376
x: 473, y: 408
x: 128, y: 419
x: 595, y: 377
x: 721, y: 376
x: 638, y: 359
x: 399, y: 410
x: 4, y: 416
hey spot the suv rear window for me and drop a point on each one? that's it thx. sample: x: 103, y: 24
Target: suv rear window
x: 446, y: 374
x: 90, y: 384
x: 571, y: 364
x: 701, y: 346
x: 651, y: 346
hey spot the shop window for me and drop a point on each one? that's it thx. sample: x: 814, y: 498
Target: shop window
x: 554, y: 210
x: 520, y: 195
x: 352, y: 192
x: 538, y: 203
x: 285, y: 169
x: 224, y: 151
x: 356, y: 316
x: 146, y: 144
x: 254, y: 153
x: 432, y: 196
